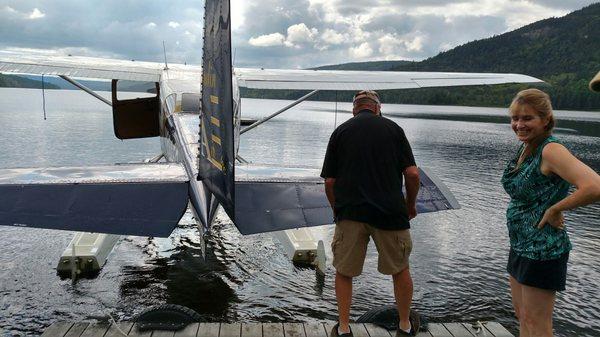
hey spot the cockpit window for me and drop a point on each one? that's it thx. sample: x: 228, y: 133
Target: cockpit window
x: 190, y: 102
x: 135, y: 89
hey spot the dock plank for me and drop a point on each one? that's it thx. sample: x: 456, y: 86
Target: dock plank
x: 376, y: 331
x: 208, y: 330
x: 309, y: 329
x: 58, y: 329
x: 252, y: 330
x: 163, y: 333
x: 497, y: 329
x: 230, y: 330
x: 114, y: 332
x: 95, y: 330
x: 314, y: 329
x: 473, y: 328
x: 438, y: 330
x: 328, y: 327
x: 273, y: 330
x: 458, y: 330
x: 421, y: 334
x: 189, y: 331
x: 293, y: 330
x: 134, y: 332
x: 359, y: 330
x: 76, y: 330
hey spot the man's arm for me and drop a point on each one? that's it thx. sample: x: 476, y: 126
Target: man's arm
x: 329, y: 182
x: 412, y: 182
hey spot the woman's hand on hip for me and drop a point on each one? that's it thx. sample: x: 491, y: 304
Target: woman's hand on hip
x: 553, y: 217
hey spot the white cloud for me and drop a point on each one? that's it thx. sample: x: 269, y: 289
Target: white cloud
x: 415, y: 45
x: 238, y: 8
x: 269, y: 40
x: 36, y: 14
x: 330, y: 36
x: 358, y: 35
x: 297, y: 35
x: 390, y: 46
x: 528, y: 11
x: 173, y: 24
x: 300, y: 33
x: 151, y: 25
x: 361, y: 52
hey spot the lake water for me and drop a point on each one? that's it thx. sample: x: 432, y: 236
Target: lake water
x: 458, y: 263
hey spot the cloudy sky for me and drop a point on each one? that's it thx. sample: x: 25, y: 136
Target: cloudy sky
x: 268, y: 33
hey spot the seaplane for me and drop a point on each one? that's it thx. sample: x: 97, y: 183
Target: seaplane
x: 195, y: 111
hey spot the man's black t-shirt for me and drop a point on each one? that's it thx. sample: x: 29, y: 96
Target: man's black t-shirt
x: 367, y: 155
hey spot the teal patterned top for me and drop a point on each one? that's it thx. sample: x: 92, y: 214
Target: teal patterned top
x: 531, y: 194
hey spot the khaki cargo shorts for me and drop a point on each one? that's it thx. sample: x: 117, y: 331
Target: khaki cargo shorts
x: 350, y: 242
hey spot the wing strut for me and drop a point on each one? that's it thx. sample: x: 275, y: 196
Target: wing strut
x: 293, y: 104
x: 84, y: 88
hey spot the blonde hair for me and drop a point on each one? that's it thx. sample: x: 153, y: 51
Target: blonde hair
x: 538, y: 101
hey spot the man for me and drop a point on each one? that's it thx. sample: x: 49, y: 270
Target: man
x: 366, y: 160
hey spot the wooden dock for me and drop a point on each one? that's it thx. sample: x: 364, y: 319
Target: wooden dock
x: 313, y: 329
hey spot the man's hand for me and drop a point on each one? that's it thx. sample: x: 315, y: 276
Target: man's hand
x: 411, y: 178
x: 412, y: 212
x: 329, y: 183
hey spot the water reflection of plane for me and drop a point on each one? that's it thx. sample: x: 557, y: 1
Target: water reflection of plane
x: 199, y: 127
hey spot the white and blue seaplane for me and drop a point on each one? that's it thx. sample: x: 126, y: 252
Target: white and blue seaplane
x: 196, y: 114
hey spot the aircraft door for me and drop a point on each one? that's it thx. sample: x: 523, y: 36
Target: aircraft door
x: 136, y: 118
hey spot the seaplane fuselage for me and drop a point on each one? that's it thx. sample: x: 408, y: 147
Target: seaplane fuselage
x: 180, y: 133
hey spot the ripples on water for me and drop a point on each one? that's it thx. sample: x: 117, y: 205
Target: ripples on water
x: 458, y: 263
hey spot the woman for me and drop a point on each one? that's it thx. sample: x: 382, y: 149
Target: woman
x: 538, y: 180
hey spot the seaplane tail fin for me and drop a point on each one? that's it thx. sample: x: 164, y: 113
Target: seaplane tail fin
x: 216, y: 155
x: 274, y: 198
x: 367, y: 80
x: 129, y: 199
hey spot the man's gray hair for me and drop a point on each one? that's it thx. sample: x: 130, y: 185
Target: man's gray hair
x: 369, y: 94
x: 595, y: 83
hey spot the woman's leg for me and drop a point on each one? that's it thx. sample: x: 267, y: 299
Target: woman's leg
x: 517, y: 301
x: 537, y: 307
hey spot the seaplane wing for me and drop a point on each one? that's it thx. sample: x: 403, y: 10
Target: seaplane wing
x: 273, y: 198
x: 128, y: 199
x: 33, y: 61
x: 362, y: 80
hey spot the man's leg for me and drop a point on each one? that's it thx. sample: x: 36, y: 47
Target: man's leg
x: 403, y: 292
x: 394, y: 248
x: 343, y: 294
x: 349, y: 247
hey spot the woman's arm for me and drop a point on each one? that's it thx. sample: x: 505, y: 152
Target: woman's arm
x: 556, y: 159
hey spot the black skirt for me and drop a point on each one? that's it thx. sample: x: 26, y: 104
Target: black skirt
x: 547, y: 274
